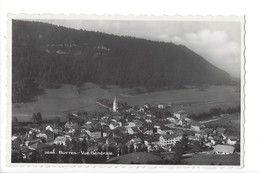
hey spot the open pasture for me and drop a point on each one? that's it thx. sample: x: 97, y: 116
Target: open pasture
x: 57, y: 102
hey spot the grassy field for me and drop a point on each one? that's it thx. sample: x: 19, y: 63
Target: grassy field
x: 55, y: 102
x: 138, y: 157
x: 205, y: 159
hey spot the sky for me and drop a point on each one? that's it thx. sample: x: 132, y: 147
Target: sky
x: 219, y: 42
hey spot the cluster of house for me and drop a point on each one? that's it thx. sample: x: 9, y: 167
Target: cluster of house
x: 141, y: 129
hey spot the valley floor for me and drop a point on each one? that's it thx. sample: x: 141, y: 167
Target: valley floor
x: 56, y: 102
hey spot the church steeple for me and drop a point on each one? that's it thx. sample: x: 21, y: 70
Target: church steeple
x: 115, y: 105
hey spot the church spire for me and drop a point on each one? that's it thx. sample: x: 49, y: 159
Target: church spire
x: 115, y: 105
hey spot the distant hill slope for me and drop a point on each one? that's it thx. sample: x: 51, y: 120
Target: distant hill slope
x: 47, y: 55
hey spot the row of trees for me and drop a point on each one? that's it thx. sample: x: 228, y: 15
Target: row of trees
x: 214, y: 112
x: 37, y: 117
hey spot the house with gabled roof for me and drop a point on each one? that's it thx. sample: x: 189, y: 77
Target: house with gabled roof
x: 71, y: 125
x: 62, y: 140
x: 172, y: 119
x: 130, y: 124
x: 97, y: 133
x: 170, y: 139
x: 132, y: 130
x: 41, y: 136
x: 232, y: 140
x: 135, y: 142
x: 164, y: 130
x: 121, y: 130
x: 180, y: 114
x: 142, y: 109
x: 86, y: 126
x: 161, y: 106
x: 195, y: 126
x: 148, y: 121
x: 110, y: 140
x: 83, y: 136
x: 148, y: 132
x: 138, y: 123
x: 201, y: 134
x: 193, y: 138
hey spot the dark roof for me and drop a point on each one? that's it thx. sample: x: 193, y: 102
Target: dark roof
x: 76, y: 134
x: 120, y: 129
x: 165, y: 128
x: 170, y: 136
x: 95, y: 129
x: 233, y: 138
x: 48, y: 132
x: 152, y: 139
x: 137, y: 139
x: 110, y: 139
x: 39, y: 145
x: 106, y: 129
x: 180, y: 112
x: 135, y: 129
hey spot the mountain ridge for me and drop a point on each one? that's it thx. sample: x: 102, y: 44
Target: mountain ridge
x: 46, y: 55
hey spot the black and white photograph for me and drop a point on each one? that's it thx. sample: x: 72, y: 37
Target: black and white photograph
x: 116, y: 91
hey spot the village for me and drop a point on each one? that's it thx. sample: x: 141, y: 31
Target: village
x: 117, y: 130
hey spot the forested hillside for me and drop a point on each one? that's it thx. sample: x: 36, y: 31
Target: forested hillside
x: 45, y: 55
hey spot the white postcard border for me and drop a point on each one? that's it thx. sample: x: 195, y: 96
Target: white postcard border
x: 114, y: 167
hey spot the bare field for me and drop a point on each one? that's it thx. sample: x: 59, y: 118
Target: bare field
x: 56, y: 102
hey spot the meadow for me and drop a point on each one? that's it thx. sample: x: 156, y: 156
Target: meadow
x: 211, y: 159
x: 57, y: 102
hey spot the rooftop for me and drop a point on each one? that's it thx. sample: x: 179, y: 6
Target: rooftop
x: 224, y: 148
x: 180, y: 112
x: 171, y: 136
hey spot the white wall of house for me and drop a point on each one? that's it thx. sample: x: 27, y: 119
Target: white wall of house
x: 130, y: 130
x: 180, y: 115
x: 161, y: 106
x: 195, y: 128
x: 169, y: 141
x: 231, y: 142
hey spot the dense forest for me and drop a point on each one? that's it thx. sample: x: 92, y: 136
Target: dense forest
x: 45, y: 55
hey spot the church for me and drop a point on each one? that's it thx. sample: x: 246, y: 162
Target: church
x: 115, y: 105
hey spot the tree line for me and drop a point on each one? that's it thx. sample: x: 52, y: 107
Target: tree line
x: 213, y: 112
